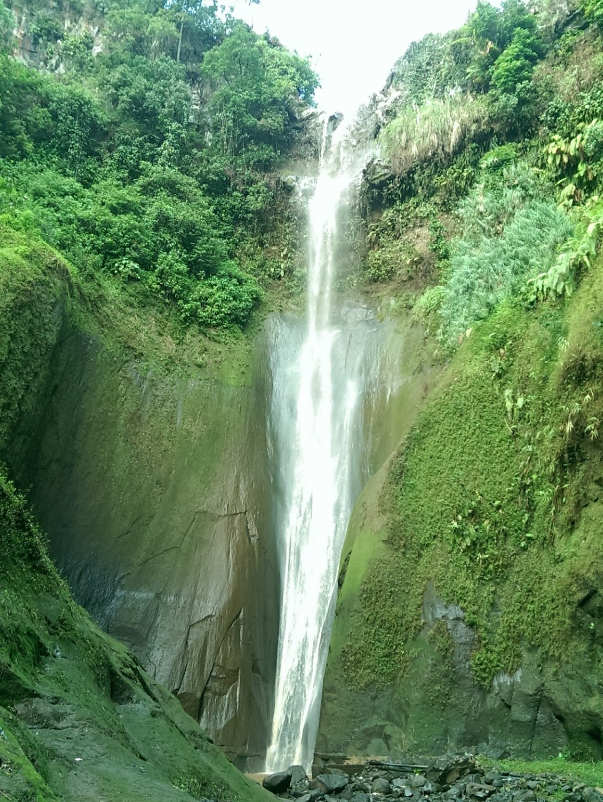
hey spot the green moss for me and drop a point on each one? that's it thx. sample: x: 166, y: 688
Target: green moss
x: 487, y: 498
x: 34, y: 285
x: 590, y: 773
x: 18, y: 775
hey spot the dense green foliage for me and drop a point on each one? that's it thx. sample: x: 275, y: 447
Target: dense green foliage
x: 482, y: 79
x: 509, y: 199
x: 149, y: 157
x: 509, y: 234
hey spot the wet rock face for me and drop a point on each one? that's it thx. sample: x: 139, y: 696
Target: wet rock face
x: 450, y: 778
x: 526, y: 713
x: 152, y: 488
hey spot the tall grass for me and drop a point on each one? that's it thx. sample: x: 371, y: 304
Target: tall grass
x: 438, y: 128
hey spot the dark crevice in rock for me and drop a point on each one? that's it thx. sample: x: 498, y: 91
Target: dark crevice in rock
x: 216, y: 655
x: 186, y: 647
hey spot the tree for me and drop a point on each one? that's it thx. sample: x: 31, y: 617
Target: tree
x: 593, y: 11
x: 515, y: 64
x: 256, y: 84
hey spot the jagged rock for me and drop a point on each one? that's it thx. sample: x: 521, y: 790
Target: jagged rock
x: 417, y: 780
x: 299, y: 778
x: 447, y: 769
x: 362, y: 786
x: 334, y: 121
x: 333, y: 783
x: 592, y: 795
x: 401, y: 785
x: 479, y: 791
x: 381, y: 786
x: 501, y: 796
x: 359, y: 796
x: 305, y: 798
x: 524, y: 796
x: 492, y: 778
x: 377, y: 173
x: 277, y: 783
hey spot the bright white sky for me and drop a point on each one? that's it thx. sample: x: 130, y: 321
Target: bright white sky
x: 352, y: 43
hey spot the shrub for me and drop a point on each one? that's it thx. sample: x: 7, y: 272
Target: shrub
x: 428, y: 305
x: 7, y: 24
x: 593, y: 11
x: 515, y: 64
x: 576, y: 255
x: 229, y: 297
x: 499, y: 157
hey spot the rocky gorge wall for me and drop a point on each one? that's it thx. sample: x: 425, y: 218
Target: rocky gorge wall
x: 163, y: 478
x: 469, y: 597
x: 151, y: 481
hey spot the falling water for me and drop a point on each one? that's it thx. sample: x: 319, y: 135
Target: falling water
x: 320, y: 373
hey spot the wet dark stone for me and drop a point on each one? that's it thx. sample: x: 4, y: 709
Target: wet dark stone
x: 299, y: 778
x: 479, y: 791
x: 277, y: 783
x: 381, y: 786
x: 332, y: 783
x: 447, y: 769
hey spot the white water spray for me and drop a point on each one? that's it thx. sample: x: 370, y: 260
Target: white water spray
x: 319, y: 375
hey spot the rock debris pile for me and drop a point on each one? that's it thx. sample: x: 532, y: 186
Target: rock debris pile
x: 449, y: 779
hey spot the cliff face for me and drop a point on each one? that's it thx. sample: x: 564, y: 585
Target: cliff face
x: 154, y: 491
x: 80, y: 719
x: 458, y: 626
x: 151, y: 481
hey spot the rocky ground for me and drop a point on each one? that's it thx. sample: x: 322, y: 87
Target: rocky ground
x: 448, y: 779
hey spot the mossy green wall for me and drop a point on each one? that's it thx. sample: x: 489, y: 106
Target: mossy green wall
x: 470, y: 608
x: 35, y: 288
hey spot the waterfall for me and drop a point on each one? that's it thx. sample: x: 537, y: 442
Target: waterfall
x: 321, y: 374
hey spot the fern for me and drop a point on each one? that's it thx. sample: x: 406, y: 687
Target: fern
x: 560, y: 278
x: 489, y: 265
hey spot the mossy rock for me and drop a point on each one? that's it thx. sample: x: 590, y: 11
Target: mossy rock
x: 491, y: 502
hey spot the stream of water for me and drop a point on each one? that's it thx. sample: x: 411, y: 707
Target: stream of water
x: 321, y: 371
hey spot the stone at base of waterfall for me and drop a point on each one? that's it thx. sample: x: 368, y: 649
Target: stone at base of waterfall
x: 447, y: 769
x: 381, y: 786
x: 299, y: 779
x: 333, y: 783
x: 479, y: 791
x: 277, y: 783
